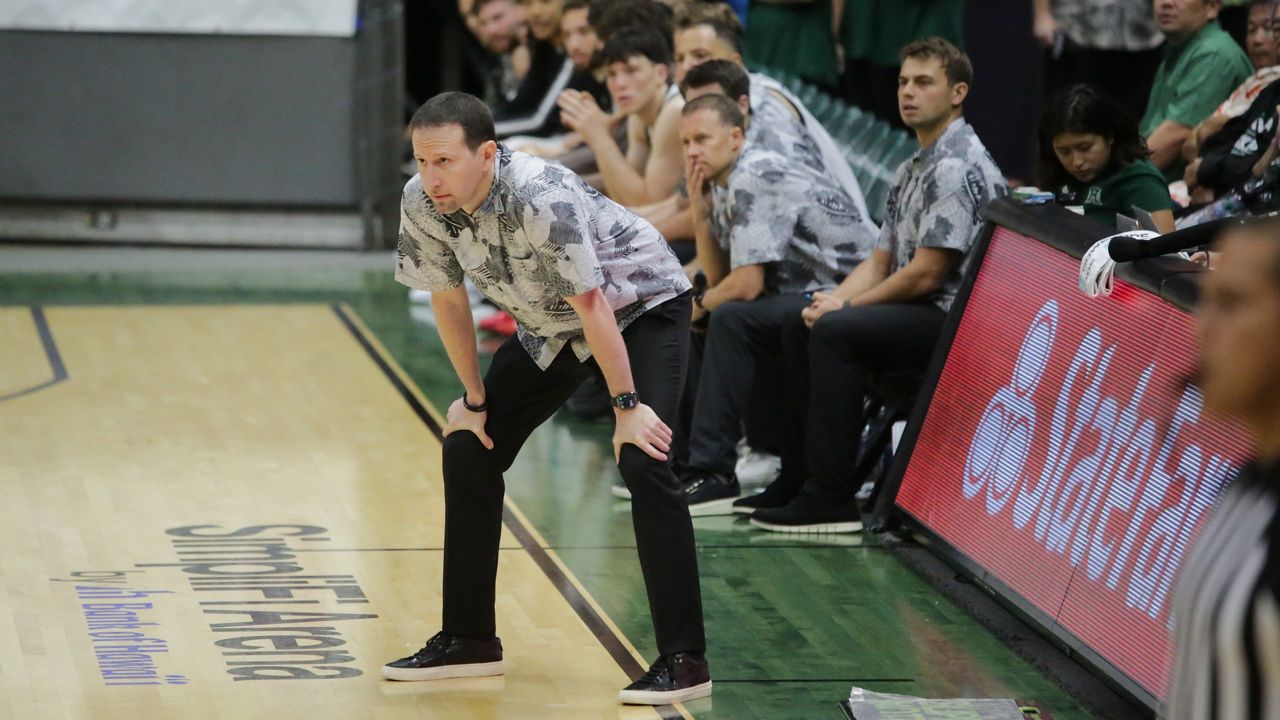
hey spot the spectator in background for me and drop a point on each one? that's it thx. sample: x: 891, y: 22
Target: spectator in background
x: 1264, y: 53
x: 1109, y: 44
x: 871, y: 32
x: 709, y: 31
x: 639, y: 67
x: 795, y: 38
x: 500, y: 27
x: 582, y: 46
x: 1226, y: 612
x: 532, y: 110
x: 769, y: 230
x: 1243, y: 148
x: 887, y: 315
x: 610, y: 16
x: 1223, y: 150
x: 1201, y: 66
x: 1090, y: 150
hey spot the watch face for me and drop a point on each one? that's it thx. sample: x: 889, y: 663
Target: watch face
x: 626, y: 401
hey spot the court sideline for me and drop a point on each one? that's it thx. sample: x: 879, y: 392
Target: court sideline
x: 793, y: 623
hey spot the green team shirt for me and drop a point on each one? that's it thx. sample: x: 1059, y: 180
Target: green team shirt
x: 1194, y: 77
x: 795, y: 39
x: 1136, y: 184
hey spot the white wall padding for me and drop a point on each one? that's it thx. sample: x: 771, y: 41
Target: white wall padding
x: 336, y: 18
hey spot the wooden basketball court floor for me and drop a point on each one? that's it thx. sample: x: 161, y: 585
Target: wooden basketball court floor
x: 222, y: 499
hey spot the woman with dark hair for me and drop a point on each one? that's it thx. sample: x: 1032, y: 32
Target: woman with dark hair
x: 1090, y: 150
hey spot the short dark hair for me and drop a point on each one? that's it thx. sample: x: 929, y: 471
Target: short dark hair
x: 716, y: 15
x: 1084, y: 109
x: 632, y: 41
x: 575, y: 5
x: 729, y: 75
x: 955, y: 63
x: 610, y: 17
x: 728, y: 110
x: 456, y: 108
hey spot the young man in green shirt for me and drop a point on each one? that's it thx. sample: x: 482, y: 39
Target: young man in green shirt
x: 1202, y: 65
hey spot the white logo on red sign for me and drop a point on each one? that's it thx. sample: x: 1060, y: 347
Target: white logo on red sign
x: 1102, y: 494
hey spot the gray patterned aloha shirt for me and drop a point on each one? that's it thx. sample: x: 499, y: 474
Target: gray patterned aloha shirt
x: 774, y: 127
x: 1109, y: 24
x: 937, y: 200
x: 803, y: 140
x: 792, y: 219
x: 541, y: 235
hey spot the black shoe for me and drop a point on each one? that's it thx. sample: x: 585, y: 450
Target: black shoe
x: 673, y: 678
x: 779, y: 493
x: 710, y: 493
x: 806, y: 514
x: 445, y: 656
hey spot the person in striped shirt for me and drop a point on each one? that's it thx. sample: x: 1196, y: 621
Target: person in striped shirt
x: 1227, y: 607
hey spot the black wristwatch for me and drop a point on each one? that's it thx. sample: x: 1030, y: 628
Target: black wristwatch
x: 474, y: 408
x: 626, y: 401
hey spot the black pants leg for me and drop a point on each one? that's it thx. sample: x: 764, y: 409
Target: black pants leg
x: 658, y: 346
x: 762, y: 423
x: 521, y: 397
x: 739, y: 334
x: 795, y: 404
x: 844, y: 346
x: 684, y: 420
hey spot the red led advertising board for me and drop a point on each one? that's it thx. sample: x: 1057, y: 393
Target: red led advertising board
x: 1063, y: 453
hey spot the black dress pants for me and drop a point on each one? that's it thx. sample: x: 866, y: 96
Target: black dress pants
x: 826, y: 375
x: 520, y: 397
x: 741, y: 334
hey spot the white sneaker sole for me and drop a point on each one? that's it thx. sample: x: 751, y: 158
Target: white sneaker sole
x: 620, y: 491
x: 645, y: 697
x: 722, y: 506
x: 815, y: 528
x: 444, y: 672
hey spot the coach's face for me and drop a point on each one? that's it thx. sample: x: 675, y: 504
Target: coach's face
x: 453, y: 175
x: 709, y: 143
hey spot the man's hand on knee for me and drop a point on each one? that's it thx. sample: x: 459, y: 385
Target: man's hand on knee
x: 641, y: 426
x: 460, y: 418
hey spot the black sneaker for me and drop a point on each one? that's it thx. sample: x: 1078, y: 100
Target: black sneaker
x: 806, y: 514
x: 673, y: 678
x: 445, y: 656
x: 779, y: 493
x: 710, y: 493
